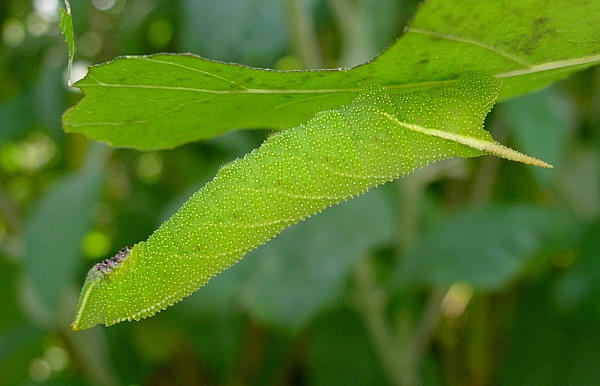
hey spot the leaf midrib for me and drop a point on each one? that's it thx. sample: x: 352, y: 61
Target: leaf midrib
x: 548, y: 66
x: 263, y: 90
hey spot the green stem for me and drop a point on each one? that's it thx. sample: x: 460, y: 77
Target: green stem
x: 417, y: 345
x: 371, y: 302
x: 90, y: 351
x: 9, y: 212
x: 483, y: 184
x: 357, y: 43
x: 401, y: 357
x: 304, y: 36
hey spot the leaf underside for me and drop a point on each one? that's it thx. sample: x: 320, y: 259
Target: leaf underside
x: 296, y: 173
x: 162, y: 101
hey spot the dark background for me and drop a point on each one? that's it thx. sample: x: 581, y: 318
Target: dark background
x: 467, y: 272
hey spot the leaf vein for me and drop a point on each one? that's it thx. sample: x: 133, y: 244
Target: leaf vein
x: 157, y: 116
x: 460, y: 39
x: 147, y: 59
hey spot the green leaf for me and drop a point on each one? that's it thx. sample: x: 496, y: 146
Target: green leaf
x: 66, y: 27
x: 576, y: 187
x: 161, y: 101
x: 527, y: 44
x: 58, y: 223
x: 16, y: 117
x: 258, y: 40
x: 539, y: 124
x: 36, y: 107
x: 299, y: 172
x: 485, y: 246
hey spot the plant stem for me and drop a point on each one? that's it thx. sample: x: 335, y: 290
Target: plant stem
x: 417, y: 345
x: 410, y: 191
x: 253, y: 355
x: 357, y: 37
x: 401, y: 357
x: 304, y: 36
x: 9, y: 212
x: 371, y: 302
x: 89, y: 349
x: 483, y: 184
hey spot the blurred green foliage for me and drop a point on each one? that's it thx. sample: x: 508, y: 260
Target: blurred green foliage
x: 479, y: 271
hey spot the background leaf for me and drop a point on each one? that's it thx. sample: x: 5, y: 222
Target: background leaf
x: 484, y: 246
x: 57, y: 225
x: 580, y: 181
x: 540, y: 124
x: 257, y: 41
x: 39, y: 106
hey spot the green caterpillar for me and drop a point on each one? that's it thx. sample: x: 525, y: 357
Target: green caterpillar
x: 296, y: 173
